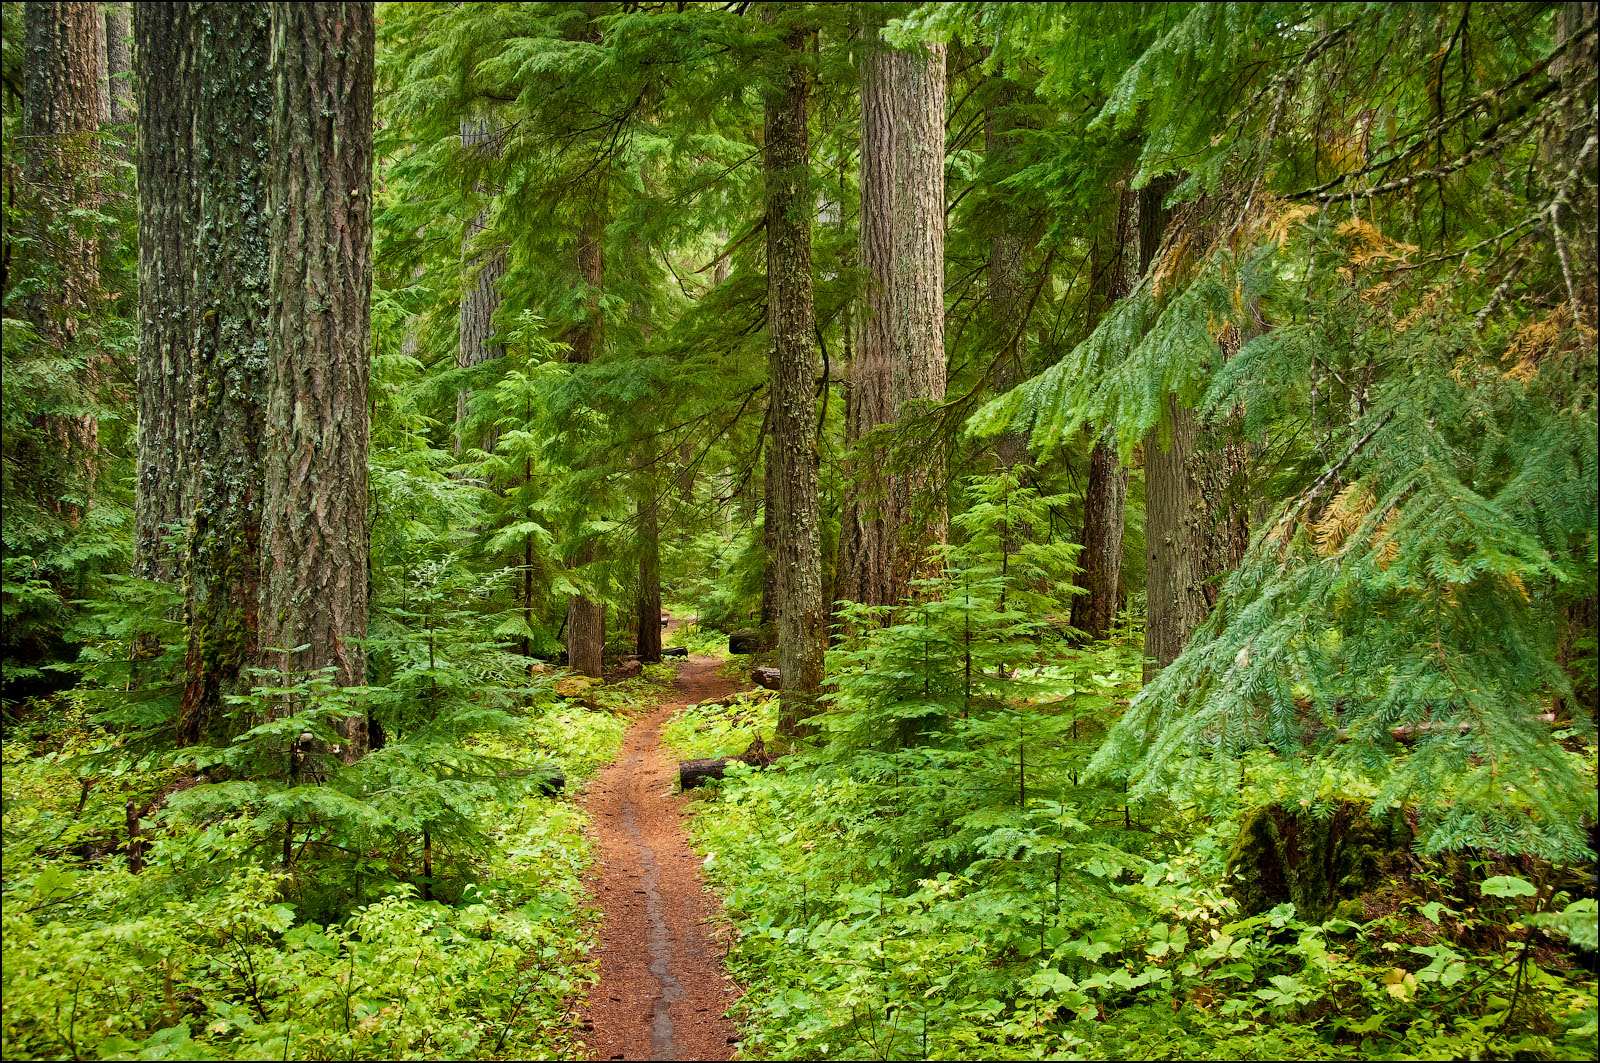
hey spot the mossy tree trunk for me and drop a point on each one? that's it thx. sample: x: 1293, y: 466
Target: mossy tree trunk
x: 119, y: 60
x: 168, y: 205
x: 894, y: 513
x: 793, y: 366
x: 231, y: 367
x: 61, y: 79
x: 314, y: 523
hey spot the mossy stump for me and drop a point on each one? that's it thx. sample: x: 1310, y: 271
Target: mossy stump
x: 1318, y: 863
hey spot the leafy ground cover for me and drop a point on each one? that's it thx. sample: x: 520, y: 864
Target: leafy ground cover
x: 176, y: 962
x: 885, y: 911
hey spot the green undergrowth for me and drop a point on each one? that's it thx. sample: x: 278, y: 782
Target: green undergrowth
x: 700, y: 639
x: 214, y: 952
x: 1038, y: 943
x: 722, y: 728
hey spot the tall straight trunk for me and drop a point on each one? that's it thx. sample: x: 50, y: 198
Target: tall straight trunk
x: 480, y: 296
x: 119, y: 60
x: 794, y: 368
x: 102, y: 71
x: 319, y: 196
x: 893, y: 515
x: 1114, y: 269
x: 168, y: 206
x: 1012, y: 239
x: 586, y: 617
x: 1174, y: 568
x: 231, y: 367
x: 61, y: 66
x: 1173, y: 603
x: 648, y: 642
x: 1196, y: 525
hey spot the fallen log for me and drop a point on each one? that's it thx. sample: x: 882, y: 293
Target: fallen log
x: 553, y: 782
x: 674, y: 651
x: 692, y: 773
x: 746, y: 641
x: 765, y: 677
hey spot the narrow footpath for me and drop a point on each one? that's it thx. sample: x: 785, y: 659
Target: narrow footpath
x: 662, y: 989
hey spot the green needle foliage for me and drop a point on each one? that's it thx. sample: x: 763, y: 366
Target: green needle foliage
x: 1299, y: 299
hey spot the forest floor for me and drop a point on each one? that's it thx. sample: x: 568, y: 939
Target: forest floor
x: 663, y: 991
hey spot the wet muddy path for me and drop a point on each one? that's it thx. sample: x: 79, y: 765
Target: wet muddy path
x: 662, y: 989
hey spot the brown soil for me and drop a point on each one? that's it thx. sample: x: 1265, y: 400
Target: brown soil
x: 662, y: 992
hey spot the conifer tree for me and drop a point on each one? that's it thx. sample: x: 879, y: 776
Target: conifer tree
x: 893, y: 514
x: 313, y: 611
x: 232, y: 110
x: 481, y: 274
x: 62, y: 59
x: 1114, y: 264
x: 164, y: 73
x: 586, y: 614
x: 119, y: 59
x: 791, y: 323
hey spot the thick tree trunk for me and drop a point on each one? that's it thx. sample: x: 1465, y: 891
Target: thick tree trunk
x: 586, y: 617
x: 1115, y: 264
x: 61, y: 67
x: 168, y: 206
x: 1196, y: 524
x: 648, y: 643
x: 793, y: 365
x: 314, y: 523
x: 894, y: 514
x: 1174, y: 567
x: 480, y: 296
x: 119, y: 60
x: 231, y: 366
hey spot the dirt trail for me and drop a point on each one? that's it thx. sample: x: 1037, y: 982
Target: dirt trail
x: 662, y: 989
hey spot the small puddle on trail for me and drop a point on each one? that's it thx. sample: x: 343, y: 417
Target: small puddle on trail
x: 662, y: 992
x: 671, y: 990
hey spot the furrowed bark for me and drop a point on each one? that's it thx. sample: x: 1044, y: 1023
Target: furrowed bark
x: 1195, y: 506
x: 894, y: 514
x: 794, y: 368
x: 480, y: 296
x: 119, y: 60
x: 61, y: 81
x: 314, y: 522
x: 168, y: 206
x: 231, y: 367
